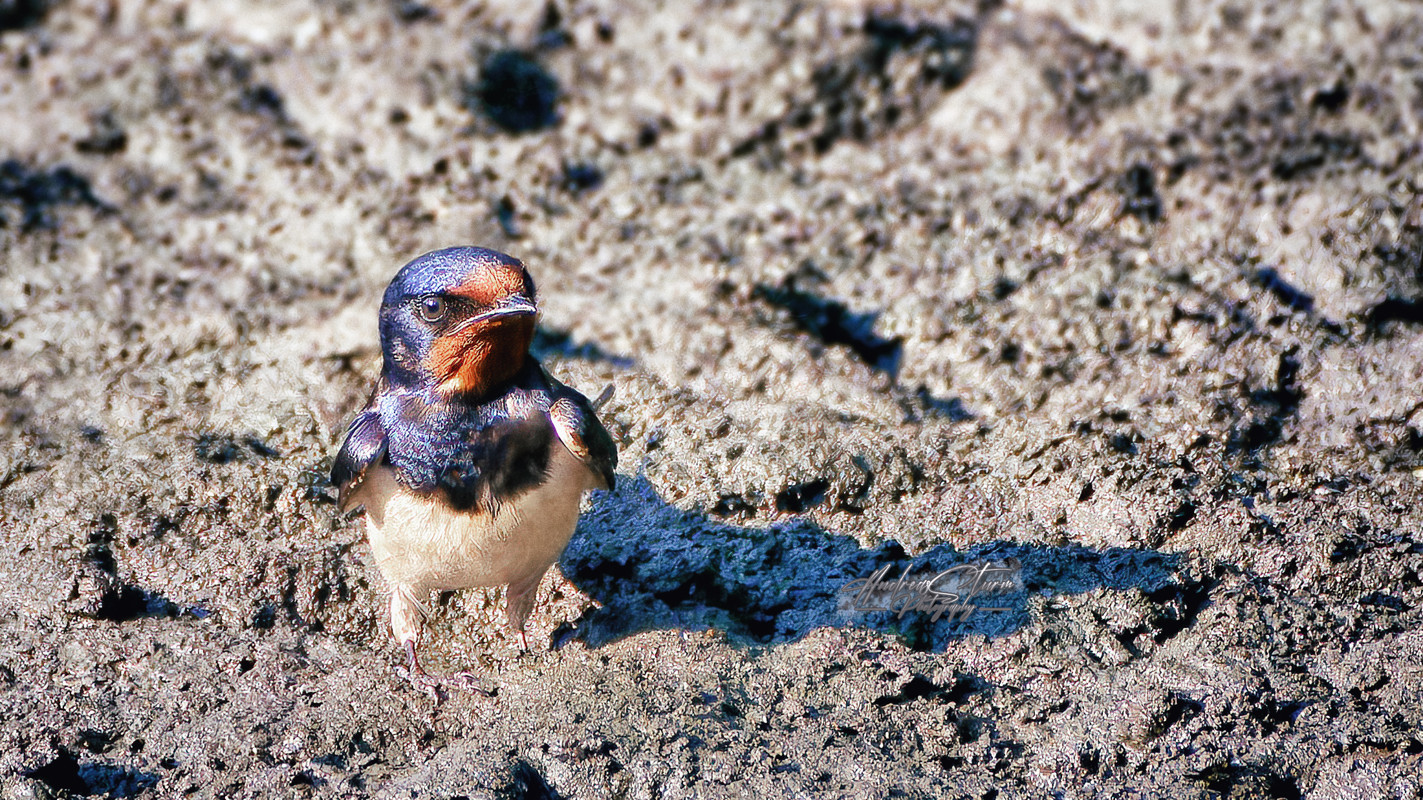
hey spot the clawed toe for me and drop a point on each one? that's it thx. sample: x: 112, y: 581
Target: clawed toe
x: 422, y: 681
x: 473, y: 683
x: 436, y: 685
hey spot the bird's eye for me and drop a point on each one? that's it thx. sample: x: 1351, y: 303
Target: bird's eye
x: 432, y: 308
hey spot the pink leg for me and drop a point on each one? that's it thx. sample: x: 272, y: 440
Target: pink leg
x: 407, y: 618
x: 519, y: 600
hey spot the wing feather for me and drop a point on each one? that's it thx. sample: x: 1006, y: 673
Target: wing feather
x: 577, y: 425
x: 364, y: 447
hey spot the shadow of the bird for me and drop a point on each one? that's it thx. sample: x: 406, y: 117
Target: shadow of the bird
x: 650, y: 565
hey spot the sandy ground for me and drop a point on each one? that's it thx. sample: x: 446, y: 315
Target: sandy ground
x: 1130, y: 292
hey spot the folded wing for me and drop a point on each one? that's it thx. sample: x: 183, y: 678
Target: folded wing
x: 578, y: 428
x: 364, y: 447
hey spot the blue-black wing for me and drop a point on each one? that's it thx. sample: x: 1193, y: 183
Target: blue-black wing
x: 576, y: 422
x: 364, y: 447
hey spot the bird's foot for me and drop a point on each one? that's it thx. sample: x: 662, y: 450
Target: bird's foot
x: 437, y: 686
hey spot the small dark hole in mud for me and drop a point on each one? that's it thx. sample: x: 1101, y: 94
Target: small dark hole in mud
x: 832, y: 322
x: 1139, y: 197
x: 515, y: 92
x: 1407, y: 310
x: 37, y: 192
x: 17, y: 14
x: 802, y: 497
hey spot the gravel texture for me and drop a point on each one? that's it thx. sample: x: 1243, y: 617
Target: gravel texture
x: 1129, y: 292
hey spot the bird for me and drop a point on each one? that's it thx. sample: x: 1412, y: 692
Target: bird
x: 469, y: 459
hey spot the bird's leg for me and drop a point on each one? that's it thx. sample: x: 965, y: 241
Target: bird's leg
x: 407, y: 616
x: 406, y: 620
x: 416, y: 674
x: 418, y: 677
x: 435, y: 685
x: 519, y: 602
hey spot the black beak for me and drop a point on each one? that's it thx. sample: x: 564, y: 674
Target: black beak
x: 513, y: 306
x: 518, y: 304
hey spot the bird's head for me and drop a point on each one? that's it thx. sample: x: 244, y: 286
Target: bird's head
x: 458, y: 320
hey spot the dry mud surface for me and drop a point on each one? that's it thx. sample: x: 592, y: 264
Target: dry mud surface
x: 1130, y: 292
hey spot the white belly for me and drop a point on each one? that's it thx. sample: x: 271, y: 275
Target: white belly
x: 421, y: 543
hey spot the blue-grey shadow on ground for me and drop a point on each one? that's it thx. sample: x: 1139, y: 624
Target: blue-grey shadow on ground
x: 651, y: 565
x: 67, y: 776
x: 555, y: 342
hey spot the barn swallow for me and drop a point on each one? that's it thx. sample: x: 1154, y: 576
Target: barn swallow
x: 469, y: 458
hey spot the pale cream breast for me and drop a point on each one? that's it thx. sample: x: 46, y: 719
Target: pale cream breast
x: 421, y: 543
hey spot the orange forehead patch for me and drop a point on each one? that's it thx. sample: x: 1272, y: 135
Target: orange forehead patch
x: 488, y: 286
